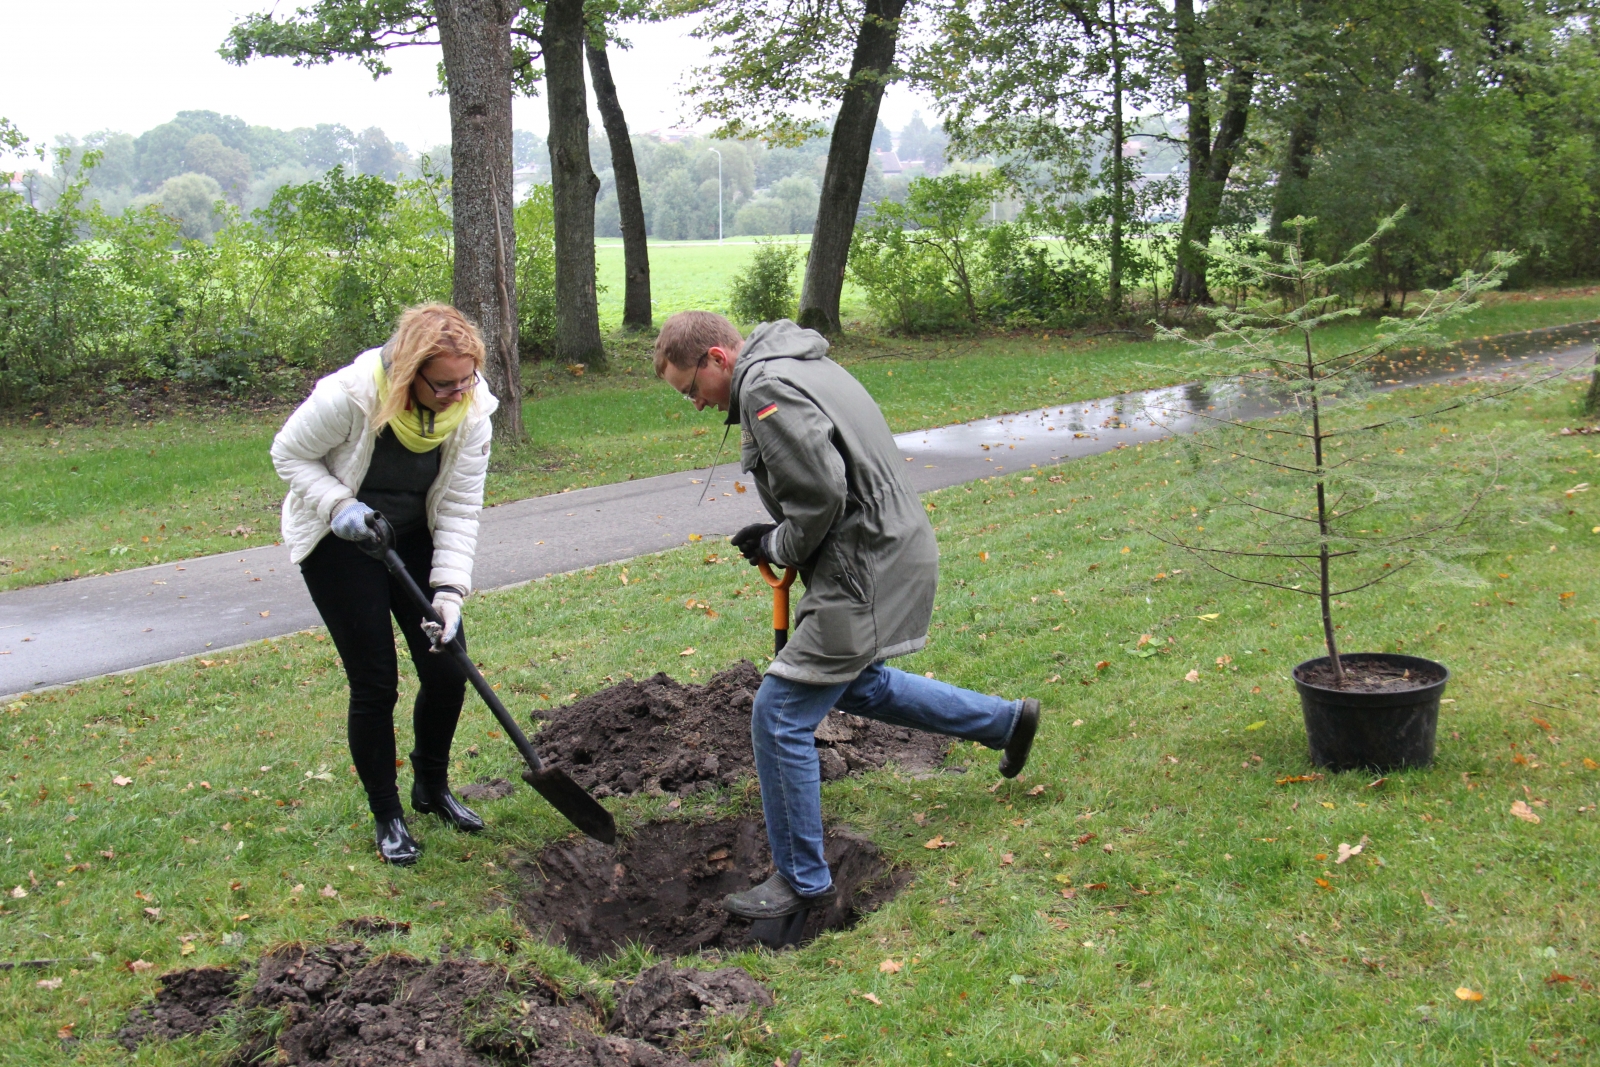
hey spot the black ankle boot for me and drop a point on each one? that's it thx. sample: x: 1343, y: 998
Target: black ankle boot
x: 438, y: 800
x: 395, y: 843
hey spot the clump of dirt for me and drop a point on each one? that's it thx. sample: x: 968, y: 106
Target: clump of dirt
x: 663, y: 887
x: 338, y: 1004
x: 1363, y: 675
x: 662, y: 735
x: 665, y: 1003
x: 189, y: 1002
x: 486, y: 789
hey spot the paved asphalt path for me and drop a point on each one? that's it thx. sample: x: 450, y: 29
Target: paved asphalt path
x: 70, y: 631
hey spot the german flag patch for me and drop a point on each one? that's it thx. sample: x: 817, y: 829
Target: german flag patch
x: 764, y: 412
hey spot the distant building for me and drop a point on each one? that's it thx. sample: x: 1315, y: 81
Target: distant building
x: 890, y: 163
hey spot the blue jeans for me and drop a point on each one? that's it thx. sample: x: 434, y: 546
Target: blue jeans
x: 784, y: 720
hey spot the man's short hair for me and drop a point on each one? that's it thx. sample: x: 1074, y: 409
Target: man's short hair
x: 687, y: 336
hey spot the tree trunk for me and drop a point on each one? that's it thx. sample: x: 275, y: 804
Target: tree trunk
x: 573, y: 186
x: 1210, y: 162
x: 1119, y: 202
x: 849, y: 153
x: 475, y: 36
x: 630, y: 203
x: 1289, y: 195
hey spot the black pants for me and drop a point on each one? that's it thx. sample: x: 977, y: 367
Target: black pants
x: 356, y: 595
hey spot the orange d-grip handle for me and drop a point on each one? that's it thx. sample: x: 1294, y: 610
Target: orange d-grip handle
x: 780, y: 603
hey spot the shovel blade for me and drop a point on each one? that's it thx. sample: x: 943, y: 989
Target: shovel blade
x: 570, y: 799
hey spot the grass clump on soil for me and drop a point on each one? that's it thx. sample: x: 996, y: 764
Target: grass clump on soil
x: 1161, y: 884
x: 193, y: 484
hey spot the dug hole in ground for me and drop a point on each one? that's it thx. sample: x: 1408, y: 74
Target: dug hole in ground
x: 659, y: 887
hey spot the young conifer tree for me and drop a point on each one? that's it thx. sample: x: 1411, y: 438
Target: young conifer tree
x: 1324, y: 499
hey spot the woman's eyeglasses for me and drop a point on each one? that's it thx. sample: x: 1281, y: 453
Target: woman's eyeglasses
x: 444, y: 389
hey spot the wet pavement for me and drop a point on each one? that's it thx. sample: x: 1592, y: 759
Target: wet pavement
x: 69, y: 631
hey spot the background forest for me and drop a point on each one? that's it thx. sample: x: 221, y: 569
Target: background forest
x: 212, y: 253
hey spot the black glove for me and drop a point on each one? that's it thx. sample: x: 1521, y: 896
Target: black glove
x: 751, y: 541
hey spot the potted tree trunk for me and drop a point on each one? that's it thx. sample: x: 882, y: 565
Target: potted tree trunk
x: 1322, y: 500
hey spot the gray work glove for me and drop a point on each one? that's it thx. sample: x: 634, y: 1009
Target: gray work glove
x: 350, y: 522
x: 447, y: 605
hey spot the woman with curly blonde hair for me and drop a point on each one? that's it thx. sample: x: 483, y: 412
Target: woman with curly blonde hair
x: 404, y: 430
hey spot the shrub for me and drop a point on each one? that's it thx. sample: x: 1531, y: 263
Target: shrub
x: 764, y: 290
x: 925, y: 263
x: 536, y: 274
x: 1033, y: 287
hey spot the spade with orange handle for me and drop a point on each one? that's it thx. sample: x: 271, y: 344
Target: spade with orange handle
x: 780, y: 603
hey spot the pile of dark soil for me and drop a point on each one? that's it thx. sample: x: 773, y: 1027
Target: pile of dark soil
x: 661, y: 735
x: 666, y: 1002
x: 1363, y: 675
x: 663, y: 887
x: 189, y: 1002
x: 338, y: 1004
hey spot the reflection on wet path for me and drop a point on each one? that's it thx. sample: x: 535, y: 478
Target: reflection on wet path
x: 1007, y: 444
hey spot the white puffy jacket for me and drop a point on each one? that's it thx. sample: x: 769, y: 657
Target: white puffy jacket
x: 325, y: 447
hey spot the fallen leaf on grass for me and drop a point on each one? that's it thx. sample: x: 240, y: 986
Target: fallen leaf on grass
x: 1324, y: 883
x: 1007, y: 859
x: 65, y: 1033
x: 328, y: 891
x: 1465, y: 993
x: 937, y: 841
x: 152, y: 913
x: 872, y: 998
x: 1556, y: 977
x: 140, y: 966
x: 18, y: 893
x: 1346, y: 851
x: 1213, y: 617
x: 49, y: 983
x: 1192, y: 676
x: 1036, y: 790
x: 1291, y: 779
x: 1098, y: 885
x: 121, y: 780
x: 1521, y: 810
x: 1590, y: 764
x: 1258, y: 724
x: 188, y: 947
x: 891, y: 966
x: 687, y: 652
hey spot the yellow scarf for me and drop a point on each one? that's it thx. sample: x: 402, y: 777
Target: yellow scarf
x: 418, y: 428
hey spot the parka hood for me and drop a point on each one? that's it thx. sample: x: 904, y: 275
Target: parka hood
x: 773, y: 340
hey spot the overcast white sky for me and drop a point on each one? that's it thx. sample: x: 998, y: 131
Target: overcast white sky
x: 75, y: 66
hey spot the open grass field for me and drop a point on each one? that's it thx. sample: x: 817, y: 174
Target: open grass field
x: 85, y: 499
x: 1149, y: 892
x: 695, y: 274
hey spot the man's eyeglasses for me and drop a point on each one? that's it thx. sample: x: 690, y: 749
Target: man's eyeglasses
x: 444, y: 389
x: 692, y: 393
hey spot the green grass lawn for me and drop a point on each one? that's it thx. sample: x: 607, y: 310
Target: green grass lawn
x: 695, y: 274
x: 1222, y: 930
x: 79, y: 500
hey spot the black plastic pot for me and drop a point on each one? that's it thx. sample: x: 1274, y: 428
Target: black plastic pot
x: 1377, y: 731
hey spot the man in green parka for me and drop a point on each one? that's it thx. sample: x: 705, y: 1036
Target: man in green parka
x: 827, y: 468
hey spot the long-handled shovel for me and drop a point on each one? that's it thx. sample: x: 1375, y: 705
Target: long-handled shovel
x: 565, y: 795
x: 779, y: 933
x: 780, y: 603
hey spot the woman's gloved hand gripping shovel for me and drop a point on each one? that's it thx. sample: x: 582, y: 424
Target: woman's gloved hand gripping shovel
x: 565, y: 795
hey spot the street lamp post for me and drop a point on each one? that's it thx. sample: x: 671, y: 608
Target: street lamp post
x: 719, y: 195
